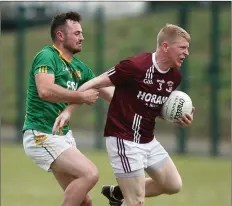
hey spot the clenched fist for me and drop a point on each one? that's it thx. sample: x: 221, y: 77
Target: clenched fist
x: 90, y: 96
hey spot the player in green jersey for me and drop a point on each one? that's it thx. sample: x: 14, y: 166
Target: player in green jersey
x: 54, y: 79
x: 68, y: 75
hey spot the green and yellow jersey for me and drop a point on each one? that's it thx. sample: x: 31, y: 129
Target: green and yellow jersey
x: 41, y: 114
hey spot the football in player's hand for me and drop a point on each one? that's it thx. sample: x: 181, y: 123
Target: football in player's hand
x: 177, y: 104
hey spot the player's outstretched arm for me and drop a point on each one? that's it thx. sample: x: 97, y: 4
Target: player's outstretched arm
x: 103, y: 84
x: 49, y: 91
x: 107, y: 93
x: 96, y: 83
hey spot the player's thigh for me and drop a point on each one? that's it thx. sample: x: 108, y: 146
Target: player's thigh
x: 133, y: 189
x: 166, y: 175
x: 128, y: 160
x: 161, y: 167
x: 74, y: 163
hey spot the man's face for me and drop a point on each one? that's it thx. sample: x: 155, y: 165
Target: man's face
x: 177, y: 51
x: 73, y: 36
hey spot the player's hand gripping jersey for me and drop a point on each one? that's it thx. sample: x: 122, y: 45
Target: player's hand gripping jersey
x: 141, y: 88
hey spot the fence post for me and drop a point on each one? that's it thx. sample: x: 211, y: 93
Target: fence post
x: 100, y: 31
x: 20, y: 55
x: 214, y: 79
x: 182, y: 132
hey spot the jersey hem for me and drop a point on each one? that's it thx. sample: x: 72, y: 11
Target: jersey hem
x: 142, y: 141
x: 47, y: 131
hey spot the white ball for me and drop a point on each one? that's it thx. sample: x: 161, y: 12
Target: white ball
x: 178, y: 103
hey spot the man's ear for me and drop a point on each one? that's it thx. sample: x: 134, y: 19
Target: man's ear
x: 164, y: 46
x: 60, y: 35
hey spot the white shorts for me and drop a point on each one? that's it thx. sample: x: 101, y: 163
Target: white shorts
x: 44, y: 148
x: 128, y: 157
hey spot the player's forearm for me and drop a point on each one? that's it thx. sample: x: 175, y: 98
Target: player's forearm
x: 71, y: 107
x: 97, y: 83
x: 107, y: 93
x: 55, y: 93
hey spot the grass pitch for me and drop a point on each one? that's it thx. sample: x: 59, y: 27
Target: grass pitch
x: 206, y: 181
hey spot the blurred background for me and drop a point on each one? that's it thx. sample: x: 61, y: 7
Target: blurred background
x: 114, y: 31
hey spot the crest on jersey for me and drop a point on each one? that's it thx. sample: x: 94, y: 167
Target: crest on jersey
x: 170, y: 86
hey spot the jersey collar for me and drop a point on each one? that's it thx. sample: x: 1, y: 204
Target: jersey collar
x: 61, y: 54
x: 156, y: 65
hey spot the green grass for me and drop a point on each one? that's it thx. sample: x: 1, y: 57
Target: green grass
x: 206, y: 181
x: 126, y: 37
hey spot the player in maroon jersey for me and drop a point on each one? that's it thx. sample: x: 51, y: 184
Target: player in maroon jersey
x: 142, y: 84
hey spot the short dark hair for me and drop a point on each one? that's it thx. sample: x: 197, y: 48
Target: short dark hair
x: 60, y: 20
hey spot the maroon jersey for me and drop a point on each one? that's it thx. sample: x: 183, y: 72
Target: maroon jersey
x: 141, y: 88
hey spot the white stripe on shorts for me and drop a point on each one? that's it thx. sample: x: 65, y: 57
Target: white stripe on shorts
x: 122, y: 155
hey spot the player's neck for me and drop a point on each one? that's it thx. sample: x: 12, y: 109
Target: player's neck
x: 64, y: 53
x: 162, y: 61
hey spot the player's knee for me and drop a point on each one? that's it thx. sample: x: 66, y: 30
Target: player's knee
x: 92, y: 176
x: 174, y: 188
x: 87, y: 202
